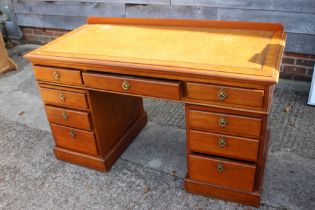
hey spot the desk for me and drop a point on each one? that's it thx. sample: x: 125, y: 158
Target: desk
x: 92, y: 81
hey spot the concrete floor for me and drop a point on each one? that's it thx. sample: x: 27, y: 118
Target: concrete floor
x: 31, y: 178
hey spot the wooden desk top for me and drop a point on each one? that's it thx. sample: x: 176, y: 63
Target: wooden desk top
x: 248, y: 51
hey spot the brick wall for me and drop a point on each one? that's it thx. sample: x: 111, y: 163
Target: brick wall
x: 295, y: 66
x: 41, y: 35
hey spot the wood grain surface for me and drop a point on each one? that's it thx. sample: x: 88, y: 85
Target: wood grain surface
x: 233, y: 147
x: 58, y: 75
x: 235, y: 174
x: 233, y: 95
x: 69, y: 117
x: 236, y: 125
x: 137, y: 86
x: 60, y: 97
x: 82, y: 141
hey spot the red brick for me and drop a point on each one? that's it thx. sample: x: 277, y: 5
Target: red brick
x: 58, y: 34
x: 38, y: 31
x: 296, y: 55
x: 44, y: 39
x: 303, y: 62
x: 52, y: 38
x: 283, y: 75
x: 300, y: 70
x: 56, y: 30
x: 48, y: 33
x: 312, y: 57
x: 51, y: 30
x: 288, y: 60
x: 302, y: 77
x: 29, y: 37
x: 287, y: 68
x: 28, y: 31
x: 294, y: 70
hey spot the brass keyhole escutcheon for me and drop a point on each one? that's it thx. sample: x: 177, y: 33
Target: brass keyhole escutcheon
x: 65, y: 115
x: 125, y: 85
x: 56, y: 76
x: 222, y: 122
x: 62, y: 97
x: 72, y: 134
x: 222, y: 141
x: 220, y: 167
x: 222, y: 94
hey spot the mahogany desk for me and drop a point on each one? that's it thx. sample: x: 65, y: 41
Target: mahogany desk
x: 92, y: 81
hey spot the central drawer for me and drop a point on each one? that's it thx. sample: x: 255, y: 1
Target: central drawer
x: 225, y: 173
x: 225, y: 123
x: 132, y: 85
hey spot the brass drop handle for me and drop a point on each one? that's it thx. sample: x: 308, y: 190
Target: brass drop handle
x: 222, y: 141
x: 65, y: 115
x: 222, y: 122
x: 125, y: 85
x: 72, y: 134
x: 222, y: 94
x: 220, y: 167
x: 56, y: 75
x: 62, y: 97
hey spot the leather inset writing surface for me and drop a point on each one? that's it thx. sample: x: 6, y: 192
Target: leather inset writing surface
x: 228, y: 50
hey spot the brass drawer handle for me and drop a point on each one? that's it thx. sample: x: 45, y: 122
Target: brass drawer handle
x: 62, y: 97
x: 222, y: 141
x: 56, y: 75
x: 223, y: 122
x: 72, y: 134
x: 220, y: 167
x: 125, y: 85
x: 222, y: 94
x: 65, y: 115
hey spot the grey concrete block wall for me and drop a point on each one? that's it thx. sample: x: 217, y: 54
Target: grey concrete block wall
x: 303, y: 23
x: 297, y: 16
x: 164, y: 11
x: 303, y: 6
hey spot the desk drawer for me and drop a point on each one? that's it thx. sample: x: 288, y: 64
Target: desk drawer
x: 74, y: 139
x: 225, y: 95
x: 132, y: 85
x: 225, y: 123
x: 68, y: 117
x: 58, y: 75
x: 222, y: 145
x: 60, y: 97
x: 225, y: 173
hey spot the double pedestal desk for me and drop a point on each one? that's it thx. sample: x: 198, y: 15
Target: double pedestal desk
x: 92, y: 81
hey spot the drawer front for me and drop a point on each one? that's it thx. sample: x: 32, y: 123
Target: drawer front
x: 225, y: 123
x: 60, y: 97
x: 67, y: 117
x: 74, y: 139
x: 130, y: 85
x: 227, y: 146
x: 225, y: 95
x: 57, y: 75
x: 231, y: 174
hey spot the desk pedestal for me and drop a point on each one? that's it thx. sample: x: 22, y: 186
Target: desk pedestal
x: 92, y: 128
